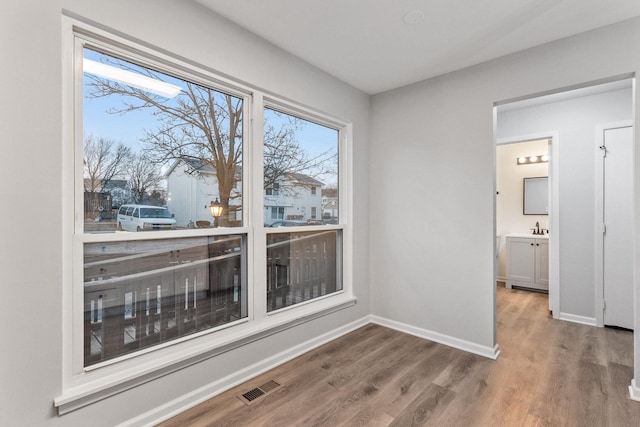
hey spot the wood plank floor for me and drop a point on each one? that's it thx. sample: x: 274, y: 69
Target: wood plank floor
x: 549, y: 373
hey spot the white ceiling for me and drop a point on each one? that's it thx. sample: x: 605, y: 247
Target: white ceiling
x: 366, y: 43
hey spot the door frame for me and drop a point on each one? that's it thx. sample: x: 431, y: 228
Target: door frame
x: 598, y: 260
x: 554, y: 213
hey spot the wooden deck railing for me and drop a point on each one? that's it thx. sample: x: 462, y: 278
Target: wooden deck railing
x: 142, y: 293
x: 139, y: 294
x: 300, y: 267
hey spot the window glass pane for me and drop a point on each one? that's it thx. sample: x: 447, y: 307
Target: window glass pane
x: 141, y: 293
x: 153, y: 140
x: 301, y: 267
x: 300, y: 170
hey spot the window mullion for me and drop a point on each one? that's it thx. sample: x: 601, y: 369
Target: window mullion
x: 259, y: 254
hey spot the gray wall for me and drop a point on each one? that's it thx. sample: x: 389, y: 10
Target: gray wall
x: 31, y: 262
x: 432, y: 217
x: 575, y: 121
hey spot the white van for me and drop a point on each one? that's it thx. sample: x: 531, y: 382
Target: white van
x: 143, y: 217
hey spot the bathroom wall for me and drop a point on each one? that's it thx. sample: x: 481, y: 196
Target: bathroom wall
x: 509, y: 197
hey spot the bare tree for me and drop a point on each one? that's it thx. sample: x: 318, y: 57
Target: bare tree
x: 331, y: 190
x: 283, y: 154
x: 102, y: 162
x: 143, y: 176
x: 199, y: 124
x: 205, y: 125
x: 157, y: 197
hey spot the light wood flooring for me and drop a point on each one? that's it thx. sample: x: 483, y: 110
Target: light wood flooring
x: 549, y: 373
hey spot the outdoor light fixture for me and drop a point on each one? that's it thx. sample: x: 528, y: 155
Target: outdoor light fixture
x: 543, y: 158
x: 216, y: 211
x: 148, y: 84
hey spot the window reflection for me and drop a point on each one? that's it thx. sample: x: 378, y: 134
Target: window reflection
x: 301, y: 267
x: 141, y: 293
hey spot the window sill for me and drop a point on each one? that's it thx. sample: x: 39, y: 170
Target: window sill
x: 190, y: 353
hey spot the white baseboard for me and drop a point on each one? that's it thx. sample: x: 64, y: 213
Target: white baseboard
x: 634, y: 391
x: 501, y: 279
x: 189, y: 400
x: 468, y: 346
x: 591, y: 321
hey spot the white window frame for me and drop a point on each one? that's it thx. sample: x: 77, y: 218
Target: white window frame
x: 344, y: 213
x: 82, y: 386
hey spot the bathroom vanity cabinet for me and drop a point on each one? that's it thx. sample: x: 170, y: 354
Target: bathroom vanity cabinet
x: 527, y: 261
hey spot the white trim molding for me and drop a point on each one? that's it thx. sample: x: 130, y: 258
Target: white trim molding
x: 634, y: 391
x: 584, y: 320
x: 468, y: 346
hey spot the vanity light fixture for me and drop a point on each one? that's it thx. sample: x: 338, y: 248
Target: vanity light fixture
x: 543, y: 158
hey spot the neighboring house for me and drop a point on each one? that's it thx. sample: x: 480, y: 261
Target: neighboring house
x: 294, y: 196
x: 191, y: 187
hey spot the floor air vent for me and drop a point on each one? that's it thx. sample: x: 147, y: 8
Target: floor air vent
x: 253, y: 394
x: 257, y: 392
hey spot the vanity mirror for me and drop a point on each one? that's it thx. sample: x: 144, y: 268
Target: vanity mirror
x: 536, y: 196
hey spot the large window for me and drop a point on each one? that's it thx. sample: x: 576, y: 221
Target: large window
x: 159, y: 154
x: 180, y: 243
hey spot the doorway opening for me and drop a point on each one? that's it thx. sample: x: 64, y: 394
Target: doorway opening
x: 524, y: 212
x: 569, y: 119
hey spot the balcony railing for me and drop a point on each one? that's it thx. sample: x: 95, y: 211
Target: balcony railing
x: 300, y: 267
x: 142, y: 293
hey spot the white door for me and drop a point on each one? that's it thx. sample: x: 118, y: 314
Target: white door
x: 618, y: 225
